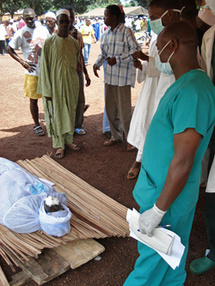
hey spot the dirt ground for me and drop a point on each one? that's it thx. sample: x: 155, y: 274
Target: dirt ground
x: 105, y: 168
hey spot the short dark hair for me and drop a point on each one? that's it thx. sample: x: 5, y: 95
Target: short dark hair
x: 114, y: 11
x: 28, y: 10
x: 190, y: 10
x: 68, y: 7
x: 182, y: 31
x: 166, y: 4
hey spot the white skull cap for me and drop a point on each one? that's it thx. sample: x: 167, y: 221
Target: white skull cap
x: 63, y: 11
x: 50, y: 14
x: 207, y: 16
x: 211, y: 5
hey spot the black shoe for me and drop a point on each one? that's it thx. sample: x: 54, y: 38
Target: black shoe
x: 107, y: 134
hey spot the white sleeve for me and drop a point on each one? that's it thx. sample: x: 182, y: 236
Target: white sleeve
x: 141, y: 74
x: 16, y: 41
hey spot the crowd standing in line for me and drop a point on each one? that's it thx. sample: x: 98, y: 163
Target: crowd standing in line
x: 168, y: 173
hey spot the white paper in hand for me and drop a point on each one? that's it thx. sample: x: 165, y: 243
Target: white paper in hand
x: 165, y: 242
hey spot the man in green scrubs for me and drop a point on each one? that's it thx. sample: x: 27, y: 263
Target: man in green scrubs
x: 168, y: 184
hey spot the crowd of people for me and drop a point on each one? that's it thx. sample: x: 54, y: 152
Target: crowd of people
x: 96, y: 26
x: 173, y: 121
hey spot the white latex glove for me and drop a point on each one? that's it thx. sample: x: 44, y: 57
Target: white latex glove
x: 150, y: 219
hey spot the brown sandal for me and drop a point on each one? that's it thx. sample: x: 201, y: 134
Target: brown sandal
x: 133, y: 173
x: 73, y: 147
x: 130, y: 147
x: 59, y: 153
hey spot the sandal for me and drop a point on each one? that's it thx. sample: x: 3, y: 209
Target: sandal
x: 39, y: 131
x: 133, y: 173
x: 73, y: 147
x: 59, y: 153
x: 80, y: 131
x: 112, y: 142
x: 130, y: 147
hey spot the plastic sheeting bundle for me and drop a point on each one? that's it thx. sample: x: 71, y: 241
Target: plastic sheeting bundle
x: 23, y: 198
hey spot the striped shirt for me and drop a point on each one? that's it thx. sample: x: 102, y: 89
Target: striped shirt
x: 121, y: 44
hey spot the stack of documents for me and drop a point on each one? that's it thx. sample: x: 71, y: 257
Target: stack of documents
x: 165, y: 242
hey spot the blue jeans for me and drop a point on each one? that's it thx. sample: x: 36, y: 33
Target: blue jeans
x: 86, y: 52
x: 106, y: 126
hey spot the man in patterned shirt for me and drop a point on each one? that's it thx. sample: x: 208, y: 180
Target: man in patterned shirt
x: 117, y: 46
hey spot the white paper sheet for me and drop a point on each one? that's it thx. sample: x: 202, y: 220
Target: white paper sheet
x: 177, y: 249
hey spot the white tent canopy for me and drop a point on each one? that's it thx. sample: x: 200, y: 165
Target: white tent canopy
x: 129, y: 11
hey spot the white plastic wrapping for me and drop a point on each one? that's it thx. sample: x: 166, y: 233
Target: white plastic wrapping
x: 22, y: 202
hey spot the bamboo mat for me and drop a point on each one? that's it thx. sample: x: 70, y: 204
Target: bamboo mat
x: 94, y: 215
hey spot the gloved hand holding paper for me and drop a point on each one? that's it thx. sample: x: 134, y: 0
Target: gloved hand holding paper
x: 165, y: 242
x: 160, y: 240
x: 150, y: 219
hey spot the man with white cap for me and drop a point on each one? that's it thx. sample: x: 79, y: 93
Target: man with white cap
x: 59, y: 84
x: 50, y: 19
x: 203, y: 264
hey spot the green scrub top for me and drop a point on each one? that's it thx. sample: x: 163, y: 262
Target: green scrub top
x: 212, y: 141
x: 188, y: 103
x: 213, y: 62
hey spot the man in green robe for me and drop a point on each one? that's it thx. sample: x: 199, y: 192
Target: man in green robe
x: 59, y: 84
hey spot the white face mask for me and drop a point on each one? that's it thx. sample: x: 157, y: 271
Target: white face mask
x: 156, y: 25
x: 211, y: 5
x: 164, y: 67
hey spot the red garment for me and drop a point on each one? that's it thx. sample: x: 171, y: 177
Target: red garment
x: 21, y: 24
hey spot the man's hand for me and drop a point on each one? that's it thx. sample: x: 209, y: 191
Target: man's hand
x: 75, y: 34
x: 111, y: 61
x: 140, y: 55
x: 30, y: 67
x: 150, y: 219
x: 88, y: 80
x: 137, y: 64
x: 95, y: 68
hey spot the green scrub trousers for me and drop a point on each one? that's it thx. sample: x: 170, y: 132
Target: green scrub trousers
x: 150, y: 269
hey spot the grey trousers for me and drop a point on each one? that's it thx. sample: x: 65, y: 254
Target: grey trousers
x: 118, y: 109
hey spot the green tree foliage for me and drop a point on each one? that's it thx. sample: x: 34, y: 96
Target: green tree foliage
x: 39, y: 6
x: 10, y: 6
x: 80, y: 6
x: 143, y: 3
x: 102, y: 4
x: 42, y: 6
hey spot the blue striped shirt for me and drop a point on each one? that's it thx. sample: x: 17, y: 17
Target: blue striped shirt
x: 121, y: 44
